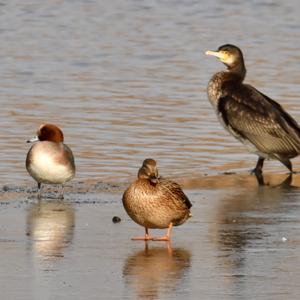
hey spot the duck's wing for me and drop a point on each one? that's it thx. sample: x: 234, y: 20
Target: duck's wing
x: 175, y: 191
x: 253, y: 116
x: 69, y: 154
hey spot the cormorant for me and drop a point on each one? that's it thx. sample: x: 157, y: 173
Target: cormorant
x: 250, y: 116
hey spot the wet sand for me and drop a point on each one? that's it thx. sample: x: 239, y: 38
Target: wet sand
x: 241, y: 243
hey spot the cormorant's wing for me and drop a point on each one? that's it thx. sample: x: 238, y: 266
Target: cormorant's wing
x: 253, y: 116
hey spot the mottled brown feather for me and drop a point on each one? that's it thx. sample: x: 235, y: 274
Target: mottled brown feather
x: 156, y: 205
x: 256, y: 118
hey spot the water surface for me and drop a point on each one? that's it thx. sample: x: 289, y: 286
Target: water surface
x: 241, y: 243
x: 126, y: 80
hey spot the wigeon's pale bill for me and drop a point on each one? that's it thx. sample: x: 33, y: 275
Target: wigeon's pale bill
x: 154, y: 202
x: 49, y: 160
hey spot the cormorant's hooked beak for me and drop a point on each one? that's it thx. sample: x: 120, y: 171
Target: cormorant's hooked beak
x: 215, y: 53
x: 221, y: 55
x: 32, y: 140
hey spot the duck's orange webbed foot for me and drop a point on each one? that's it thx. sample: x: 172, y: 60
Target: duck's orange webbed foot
x: 167, y: 237
x: 147, y: 237
x: 142, y: 238
x: 163, y: 238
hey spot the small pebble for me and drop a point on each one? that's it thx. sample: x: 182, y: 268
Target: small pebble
x: 284, y: 239
x: 5, y: 188
x: 116, y: 219
x: 229, y: 173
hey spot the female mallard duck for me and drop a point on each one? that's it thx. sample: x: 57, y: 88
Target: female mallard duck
x: 250, y: 116
x: 153, y: 202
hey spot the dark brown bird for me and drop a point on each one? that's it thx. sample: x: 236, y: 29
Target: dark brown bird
x: 250, y: 116
x: 153, y: 202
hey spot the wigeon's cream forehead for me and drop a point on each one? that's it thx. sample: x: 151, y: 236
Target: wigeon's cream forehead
x: 49, y: 127
x: 41, y: 126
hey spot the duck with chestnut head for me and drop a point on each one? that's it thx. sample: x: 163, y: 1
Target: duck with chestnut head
x: 49, y: 160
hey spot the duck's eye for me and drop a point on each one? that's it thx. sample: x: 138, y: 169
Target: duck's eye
x: 225, y: 52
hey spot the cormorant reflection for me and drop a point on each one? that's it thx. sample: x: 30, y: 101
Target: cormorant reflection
x: 286, y: 183
x: 241, y: 219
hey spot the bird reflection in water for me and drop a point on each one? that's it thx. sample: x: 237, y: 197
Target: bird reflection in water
x: 242, y: 217
x: 153, y: 271
x: 285, y: 183
x: 50, y: 226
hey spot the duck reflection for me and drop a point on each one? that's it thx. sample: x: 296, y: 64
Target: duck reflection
x: 154, y: 270
x: 50, y: 226
x: 241, y: 219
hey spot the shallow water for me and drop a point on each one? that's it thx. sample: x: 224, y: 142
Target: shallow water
x: 241, y: 243
x: 126, y: 80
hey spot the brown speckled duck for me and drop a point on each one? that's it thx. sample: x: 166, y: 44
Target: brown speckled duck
x: 153, y: 202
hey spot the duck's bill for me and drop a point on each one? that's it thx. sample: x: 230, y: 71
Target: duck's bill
x: 32, y: 140
x: 154, y: 179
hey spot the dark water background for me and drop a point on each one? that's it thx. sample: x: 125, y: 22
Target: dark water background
x: 126, y: 80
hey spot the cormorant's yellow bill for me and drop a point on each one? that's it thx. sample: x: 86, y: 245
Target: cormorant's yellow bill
x: 222, y: 55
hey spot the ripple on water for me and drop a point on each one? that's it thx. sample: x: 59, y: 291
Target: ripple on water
x: 127, y: 81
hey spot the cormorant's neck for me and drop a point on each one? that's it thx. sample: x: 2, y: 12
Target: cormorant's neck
x: 238, y: 70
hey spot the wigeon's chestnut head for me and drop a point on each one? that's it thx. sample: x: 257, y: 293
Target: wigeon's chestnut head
x: 48, y: 132
x: 49, y: 160
x: 155, y: 202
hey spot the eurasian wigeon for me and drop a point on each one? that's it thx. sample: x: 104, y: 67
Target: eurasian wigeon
x: 153, y: 202
x: 49, y: 160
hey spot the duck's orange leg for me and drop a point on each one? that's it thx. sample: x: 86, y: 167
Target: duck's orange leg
x: 167, y: 237
x: 147, y: 237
